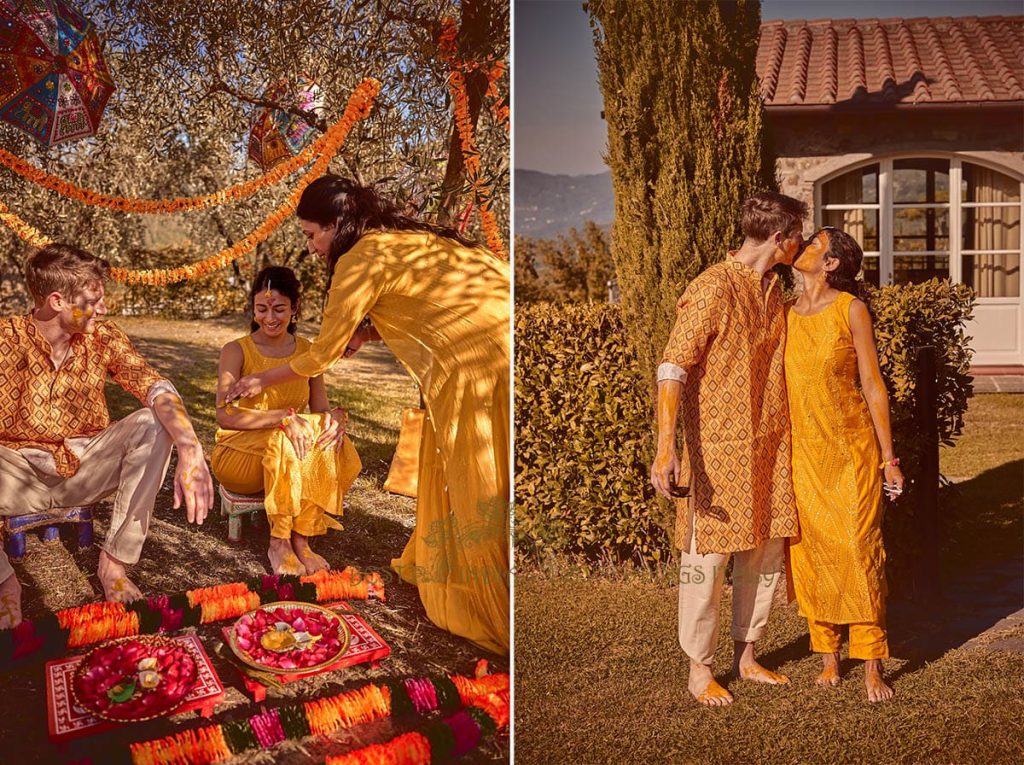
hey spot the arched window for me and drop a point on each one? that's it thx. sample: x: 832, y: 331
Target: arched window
x: 912, y: 228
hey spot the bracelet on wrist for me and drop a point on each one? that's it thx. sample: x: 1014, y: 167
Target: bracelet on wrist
x: 894, y: 462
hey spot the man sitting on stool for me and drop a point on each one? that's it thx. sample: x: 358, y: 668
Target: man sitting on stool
x: 58, y: 447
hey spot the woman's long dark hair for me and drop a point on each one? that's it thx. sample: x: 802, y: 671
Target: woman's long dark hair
x: 355, y: 210
x: 845, y: 249
x: 285, y: 282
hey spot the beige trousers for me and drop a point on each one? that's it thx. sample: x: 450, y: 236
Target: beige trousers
x: 755, y: 575
x: 130, y: 457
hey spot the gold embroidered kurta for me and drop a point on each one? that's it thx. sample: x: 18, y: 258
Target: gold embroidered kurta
x: 838, y: 564
x: 443, y: 310
x: 41, y: 407
x: 299, y: 495
x: 729, y: 336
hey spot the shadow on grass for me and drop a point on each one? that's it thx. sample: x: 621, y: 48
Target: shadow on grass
x: 981, y: 564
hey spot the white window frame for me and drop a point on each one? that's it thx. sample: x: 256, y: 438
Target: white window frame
x: 885, y: 207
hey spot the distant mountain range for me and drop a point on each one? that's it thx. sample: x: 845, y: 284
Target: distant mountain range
x: 549, y: 205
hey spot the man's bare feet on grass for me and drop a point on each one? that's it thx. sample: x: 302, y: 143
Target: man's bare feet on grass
x: 829, y: 670
x: 310, y: 560
x: 877, y: 689
x: 10, y: 602
x: 283, y: 559
x: 745, y: 667
x: 705, y: 689
x: 117, y: 587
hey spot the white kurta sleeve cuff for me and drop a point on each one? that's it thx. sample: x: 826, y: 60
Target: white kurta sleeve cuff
x: 669, y: 371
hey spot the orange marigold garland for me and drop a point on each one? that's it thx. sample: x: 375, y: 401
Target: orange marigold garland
x: 181, y: 204
x: 470, y: 719
x: 358, y: 108
x: 345, y: 584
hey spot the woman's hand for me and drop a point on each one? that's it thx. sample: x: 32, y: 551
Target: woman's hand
x: 893, y: 485
x: 245, y: 387
x: 335, y: 427
x: 300, y: 433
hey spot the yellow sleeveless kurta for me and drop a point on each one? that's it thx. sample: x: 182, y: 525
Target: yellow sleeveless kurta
x: 249, y: 461
x: 838, y: 563
x: 443, y: 310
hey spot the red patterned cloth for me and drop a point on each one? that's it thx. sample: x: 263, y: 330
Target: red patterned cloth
x: 41, y: 407
x: 729, y: 336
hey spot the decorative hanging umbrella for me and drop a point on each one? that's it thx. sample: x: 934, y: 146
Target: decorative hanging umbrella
x: 54, y: 83
x: 276, y: 135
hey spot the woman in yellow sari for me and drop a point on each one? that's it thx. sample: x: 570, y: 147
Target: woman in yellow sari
x: 441, y: 304
x: 839, y: 411
x: 302, y: 463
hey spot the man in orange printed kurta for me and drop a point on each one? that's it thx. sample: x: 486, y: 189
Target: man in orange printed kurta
x: 724, y: 363
x: 58, y: 447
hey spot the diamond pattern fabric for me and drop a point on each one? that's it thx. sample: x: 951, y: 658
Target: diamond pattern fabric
x: 41, y: 407
x: 729, y: 336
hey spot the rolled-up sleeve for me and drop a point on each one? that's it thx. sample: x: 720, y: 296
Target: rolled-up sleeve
x: 356, y: 285
x: 698, y: 319
x: 126, y: 365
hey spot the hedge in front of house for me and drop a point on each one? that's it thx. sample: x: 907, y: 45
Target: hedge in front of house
x: 584, y: 436
x: 585, y: 431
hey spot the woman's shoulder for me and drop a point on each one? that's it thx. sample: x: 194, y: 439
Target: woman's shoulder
x: 302, y: 344
x: 238, y: 344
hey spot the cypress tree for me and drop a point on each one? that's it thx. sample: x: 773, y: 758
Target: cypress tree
x: 686, y: 145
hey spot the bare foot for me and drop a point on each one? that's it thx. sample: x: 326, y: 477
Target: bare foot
x: 117, y: 587
x: 310, y: 559
x: 10, y: 602
x: 756, y: 673
x: 704, y: 688
x: 829, y: 670
x: 283, y: 559
x: 877, y: 689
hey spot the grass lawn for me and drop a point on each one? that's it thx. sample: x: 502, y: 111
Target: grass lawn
x: 600, y: 676
x: 375, y: 388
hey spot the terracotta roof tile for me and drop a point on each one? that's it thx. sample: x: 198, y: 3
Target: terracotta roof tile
x: 882, y: 62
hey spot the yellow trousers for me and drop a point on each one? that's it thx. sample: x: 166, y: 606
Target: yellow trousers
x: 299, y: 496
x: 867, y: 640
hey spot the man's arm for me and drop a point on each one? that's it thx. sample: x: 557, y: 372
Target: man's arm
x: 666, y: 470
x: 192, y: 481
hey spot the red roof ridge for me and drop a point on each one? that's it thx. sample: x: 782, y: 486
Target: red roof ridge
x: 890, y: 20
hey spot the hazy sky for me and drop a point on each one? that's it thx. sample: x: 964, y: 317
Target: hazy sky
x: 557, y: 103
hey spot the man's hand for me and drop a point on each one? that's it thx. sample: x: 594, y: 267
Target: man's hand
x: 666, y: 471
x: 192, y: 483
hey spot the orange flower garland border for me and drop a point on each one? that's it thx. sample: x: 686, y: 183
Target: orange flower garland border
x: 358, y: 108
x: 464, y: 698
x: 463, y: 123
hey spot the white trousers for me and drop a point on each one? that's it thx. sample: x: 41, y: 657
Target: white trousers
x: 755, y: 575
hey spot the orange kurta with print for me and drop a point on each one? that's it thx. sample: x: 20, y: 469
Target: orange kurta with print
x: 730, y: 337
x: 41, y: 406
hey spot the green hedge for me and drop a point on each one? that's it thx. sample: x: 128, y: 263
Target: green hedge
x: 583, y: 438
x: 585, y: 434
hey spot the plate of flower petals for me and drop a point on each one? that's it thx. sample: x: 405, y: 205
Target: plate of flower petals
x: 289, y: 637
x: 135, y: 678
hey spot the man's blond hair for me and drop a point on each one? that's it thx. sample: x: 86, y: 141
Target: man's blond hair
x: 62, y: 268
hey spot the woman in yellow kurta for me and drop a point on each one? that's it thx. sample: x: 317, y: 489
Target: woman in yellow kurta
x: 841, y: 441
x: 441, y: 304
x: 303, y: 463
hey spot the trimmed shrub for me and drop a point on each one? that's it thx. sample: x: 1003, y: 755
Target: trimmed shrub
x: 583, y: 437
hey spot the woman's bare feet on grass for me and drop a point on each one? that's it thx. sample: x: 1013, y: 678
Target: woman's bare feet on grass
x: 117, y: 587
x: 705, y: 689
x: 877, y: 689
x: 829, y: 670
x: 310, y: 560
x: 283, y: 559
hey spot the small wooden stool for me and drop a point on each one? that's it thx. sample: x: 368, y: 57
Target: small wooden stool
x: 17, y: 525
x: 234, y: 506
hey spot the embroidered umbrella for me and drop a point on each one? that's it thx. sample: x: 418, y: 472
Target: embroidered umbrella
x: 54, y: 83
x: 275, y: 134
